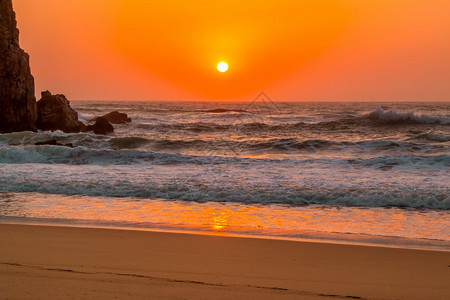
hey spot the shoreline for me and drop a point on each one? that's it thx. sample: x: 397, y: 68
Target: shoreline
x: 362, y: 240
x: 399, y: 228
x: 70, y: 262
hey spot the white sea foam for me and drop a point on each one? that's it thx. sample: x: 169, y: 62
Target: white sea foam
x: 383, y: 181
x: 393, y: 116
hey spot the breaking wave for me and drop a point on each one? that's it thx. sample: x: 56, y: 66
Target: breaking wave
x: 251, y: 124
x: 208, y: 186
x: 394, y: 117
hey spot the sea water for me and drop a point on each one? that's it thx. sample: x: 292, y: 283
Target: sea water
x: 360, y: 172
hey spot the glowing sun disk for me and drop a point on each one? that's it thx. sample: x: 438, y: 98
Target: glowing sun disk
x: 222, y: 67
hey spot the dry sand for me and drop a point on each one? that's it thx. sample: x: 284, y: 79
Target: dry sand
x: 42, y: 262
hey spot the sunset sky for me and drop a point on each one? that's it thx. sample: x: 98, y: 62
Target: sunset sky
x: 299, y: 50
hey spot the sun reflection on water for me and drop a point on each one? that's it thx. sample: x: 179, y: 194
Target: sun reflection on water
x: 219, y: 221
x: 229, y: 218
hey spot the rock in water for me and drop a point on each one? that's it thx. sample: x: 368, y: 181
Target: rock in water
x: 115, y: 117
x: 17, y: 101
x: 55, y: 113
x: 101, y: 126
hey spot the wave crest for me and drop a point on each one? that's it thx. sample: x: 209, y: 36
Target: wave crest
x: 394, y: 117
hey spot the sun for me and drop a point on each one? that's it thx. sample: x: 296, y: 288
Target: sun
x: 222, y: 67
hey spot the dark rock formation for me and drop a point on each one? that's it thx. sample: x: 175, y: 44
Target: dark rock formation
x: 221, y: 110
x: 55, y: 113
x: 115, y: 117
x: 101, y: 126
x: 17, y: 100
x: 53, y: 143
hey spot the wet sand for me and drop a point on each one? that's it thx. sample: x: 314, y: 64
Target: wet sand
x: 49, y: 262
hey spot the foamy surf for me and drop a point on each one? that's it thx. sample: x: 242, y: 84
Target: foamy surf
x: 376, y: 182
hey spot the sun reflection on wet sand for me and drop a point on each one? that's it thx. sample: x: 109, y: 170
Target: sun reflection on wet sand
x: 219, y: 221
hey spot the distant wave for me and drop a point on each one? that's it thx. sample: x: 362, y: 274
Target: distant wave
x: 380, y: 117
x: 374, y: 119
x: 433, y: 137
x: 28, y: 138
x: 388, y: 162
x: 85, y: 156
x: 272, y: 146
x: 222, y: 110
x: 224, y: 146
x: 393, y: 117
x: 128, y: 142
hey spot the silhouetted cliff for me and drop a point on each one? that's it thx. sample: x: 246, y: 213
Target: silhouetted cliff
x: 18, y: 110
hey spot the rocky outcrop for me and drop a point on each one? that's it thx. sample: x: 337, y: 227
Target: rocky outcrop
x: 55, y: 113
x: 17, y: 100
x: 101, y: 126
x: 115, y: 117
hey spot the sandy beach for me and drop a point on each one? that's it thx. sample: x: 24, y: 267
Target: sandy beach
x: 45, y: 262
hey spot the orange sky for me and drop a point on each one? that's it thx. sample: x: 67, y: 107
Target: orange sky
x: 299, y: 50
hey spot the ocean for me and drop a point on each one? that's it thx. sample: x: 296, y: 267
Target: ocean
x: 370, y: 173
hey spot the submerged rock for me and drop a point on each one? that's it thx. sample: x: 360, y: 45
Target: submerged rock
x: 17, y: 101
x: 222, y: 110
x: 54, y: 143
x: 55, y: 113
x: 101, y: 126
x: 115, y: 117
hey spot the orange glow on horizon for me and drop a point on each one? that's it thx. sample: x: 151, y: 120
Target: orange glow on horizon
x: 265, y: 41
x: 302, y: 50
